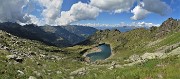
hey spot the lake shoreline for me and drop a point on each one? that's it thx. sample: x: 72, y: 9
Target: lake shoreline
x: 101, y: 52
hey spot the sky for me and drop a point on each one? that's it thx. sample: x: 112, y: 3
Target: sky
x: 89, y: 12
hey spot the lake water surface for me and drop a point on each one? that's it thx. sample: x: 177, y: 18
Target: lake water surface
x: 103, y: 54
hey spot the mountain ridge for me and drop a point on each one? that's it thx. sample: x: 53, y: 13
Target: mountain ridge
x: 58, y: 37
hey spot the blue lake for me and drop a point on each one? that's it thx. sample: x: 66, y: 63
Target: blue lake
x: 103, y: 54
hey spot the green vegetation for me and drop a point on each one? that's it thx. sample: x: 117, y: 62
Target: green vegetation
x: 39, y: 60
x: 22, y: 58
x: 153, y: 69
x: 137, y: 41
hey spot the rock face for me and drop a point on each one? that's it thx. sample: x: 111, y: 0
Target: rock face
x: 168, y: 26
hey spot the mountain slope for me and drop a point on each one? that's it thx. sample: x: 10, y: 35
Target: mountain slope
x: 23, y: 58
x: 34, y: 33
x: 63, y: 34
x: 134, y: 36
x: 137, y: 41
x: 168, y: 26
x: 139, y: 53
x: 51, y: 35
x: 82, y: 31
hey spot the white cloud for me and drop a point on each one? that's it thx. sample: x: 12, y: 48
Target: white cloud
x: 35, y: 20
x: 143, y: 24
x: 116, y: 6
x: 139, y: 13
x: 121, y: 24
x: 12, y: 11
x: 156, y: 6
x: 51, y: 10
x: 78, y: 11
x: 146, y: 7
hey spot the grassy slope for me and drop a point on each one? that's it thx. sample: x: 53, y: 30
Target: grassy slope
x: 167, y: 68
x: 137, y: 42
x: 154, y: 69
x: 133, y: 42
x: 123, y: 45
x: 47, y: 67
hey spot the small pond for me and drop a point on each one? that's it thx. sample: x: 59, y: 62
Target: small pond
x: 103, y: 54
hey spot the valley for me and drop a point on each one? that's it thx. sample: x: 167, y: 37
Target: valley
x: 89, y: 39
x: 137, y: 54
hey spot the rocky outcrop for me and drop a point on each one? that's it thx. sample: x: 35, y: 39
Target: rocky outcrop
x: 160, y: 54
x: 134, y: 58
x: 81, y: 71
x: 168, y: 26
x: 147, y: 56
